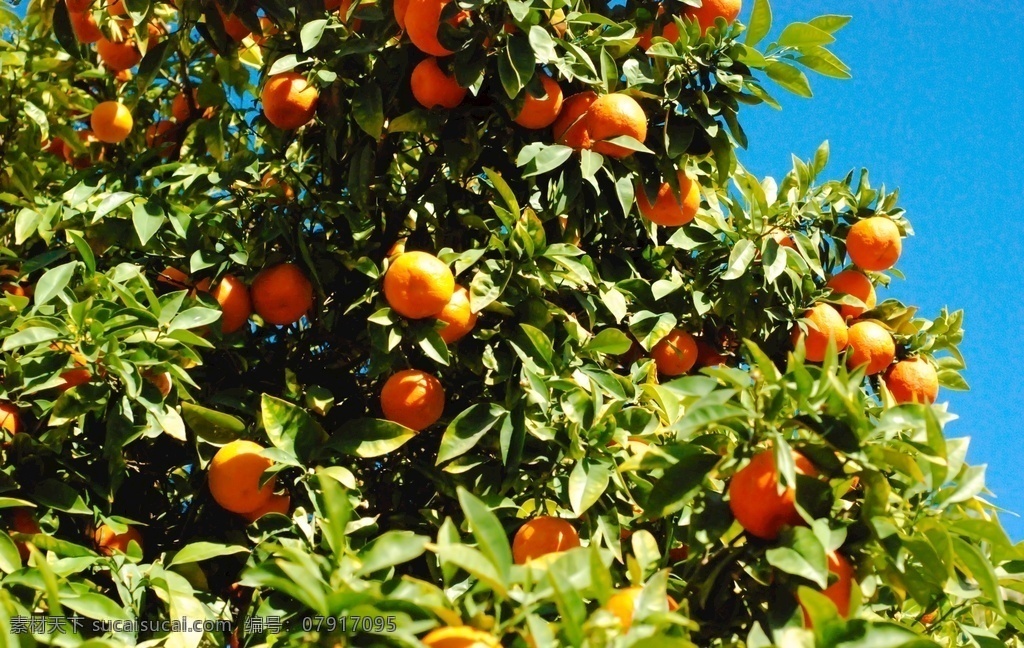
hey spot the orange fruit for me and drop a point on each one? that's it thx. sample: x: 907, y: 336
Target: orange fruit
x: 155, y: 31
x: 622, y: 604
x: 234, y: 477
x: 856, y: 284
x: 233, y: 26
x: 10, y: 419
x: 913, y: 380
x: 112, y: 122
x: 79, y: 5
x: 108, y: 542
x: 570, y: 128
x: 22, y: 521
x: 159, y: 379
x: 432, y: 87
x: 401, y: 7
x: 116, y: 8
x: 289, y: 101
x: 541, y: 112
x: 174, y: 277
x: 542, y: 536
x: 412, y: 398
x: 84, y: 25
x: 282, y: 294
x: 343, y: 7
x: 87, y: 138
x: 235, y: 304
x: 418, y: 285
x: 840, y: 591
x: 73, y: 378
x: 276, y: 504
x: 675, y: 354
x: 615, y: 115
x: 874, y: 244
x: 670, y: 209
x: 422, y: 21
x: 708, y: 355
x: 710, y: 10
x: 755, y: 500
x: 160, y: 137
x: 457, y: 315
x: 118, y: 55
x: 182, y: 111
x: 459, y: 637
x: 282, y: 190
x: 783, y: 239
x: 269, y: 30
x: 824, y: 324
x: 871, y: 345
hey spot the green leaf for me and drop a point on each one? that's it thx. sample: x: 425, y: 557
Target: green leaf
x: 200, y: 551
x: 474, y: 563
x: 760, y: 22
x: 489, y: 534
x: 210, y: 425
x: 63, y: 30
x: 290, y: 428
x: 30, y: 336
x: 53, y: 282
x: 194, y: 318
x: 789, y: 78
x: 801, y: 554
x: 504, y: 191
x: 739, y: 259
x: 112, y: 202
x: 587, y: 483
x: 95, y: 606
x: 368, y: 109
x: 466, y: 430
x: 370, y: 437
x: 830, y: 23
x: 148, y: 218
x: 804, y: 35
x: 60, y: 496
x: 678, y: 483
x: 611, y: 341
x: 390, y: 549
x: 311, y: 34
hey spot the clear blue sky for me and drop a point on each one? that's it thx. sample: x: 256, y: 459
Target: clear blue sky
x: 936, y: 108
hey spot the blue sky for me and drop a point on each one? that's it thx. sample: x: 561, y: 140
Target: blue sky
x: 935, y: 108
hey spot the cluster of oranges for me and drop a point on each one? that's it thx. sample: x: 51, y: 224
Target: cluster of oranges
x: 874, y: 245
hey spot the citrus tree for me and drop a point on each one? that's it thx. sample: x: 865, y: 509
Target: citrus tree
x: 461, y: 324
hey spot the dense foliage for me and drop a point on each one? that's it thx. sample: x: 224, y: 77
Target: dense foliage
x: 119, y: 385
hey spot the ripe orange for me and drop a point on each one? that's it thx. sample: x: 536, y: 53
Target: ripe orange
x: 87, y: 138
x: 709, y: 10
x: 401, y: 7
x: 913, y: 380
x: 159, y: 379
x: 457, y: 315
x: 541, y: 112
x: 824, y: 324
x: 343, y: 7
x: 116, y: 8
x: 84, y: 25
x: 174, y: 277
x: 282, y: 294
x: 840, y: 591
x: 541, y: 536
x: 233, y: 26
x: 289, y: 101
x: 669, y: 209
x: 22, y: 521
x: 412, y: 398
x: 418, y: 285
x: 73, y: 378
x: 432, y: 87
x: 615, y: 115
x: 118, y: 55
x: 112, y: 122
x: 459, y: 637
x: 571, y: 128
x: 282, y: 190
x: 182, y: 111
x: 871, y: 345
x: 269, y: 30
x: 856, y: 284
x: 108, y: 542
x: 276, y: 504
x: 622, y: 604
x: 675, y: 354
x: 422, y: 21
x: 235, y: 304
x: 79, y: 5
x: 234, y: 477
x: 874, y: 243
x: 755, y: 500
x: 160, y: 137
x: 708, y: 355
x: 10, y: 419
